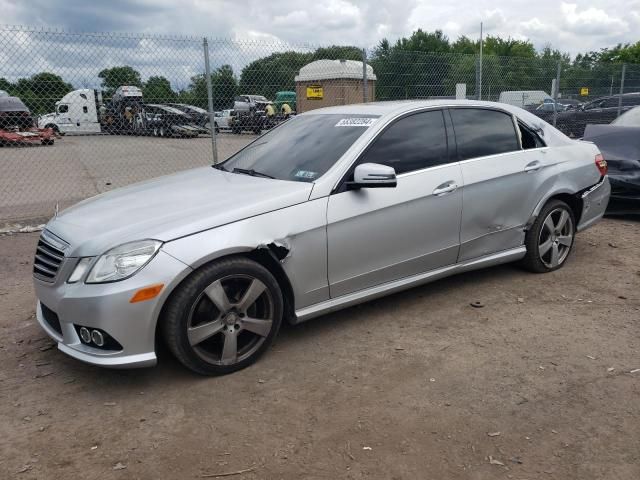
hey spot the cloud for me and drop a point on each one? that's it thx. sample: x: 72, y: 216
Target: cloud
x: 493, y: 20
x: 591, y: 21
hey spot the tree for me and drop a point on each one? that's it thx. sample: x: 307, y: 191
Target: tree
x: 268, y: 75
x: 41, y: 91
x: 158, y: 90
x: 427, y: 42
x: 6, y: 85
x: 224, y: 89
x: 115, y: 77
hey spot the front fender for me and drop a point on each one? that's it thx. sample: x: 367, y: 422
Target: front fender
x: 300, y: 229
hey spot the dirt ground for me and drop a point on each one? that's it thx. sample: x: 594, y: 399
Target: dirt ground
x: 534, y: 385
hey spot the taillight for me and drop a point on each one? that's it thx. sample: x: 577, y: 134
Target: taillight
x: 601, y: 163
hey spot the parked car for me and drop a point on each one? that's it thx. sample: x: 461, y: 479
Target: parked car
x: 602, y: 110
x: 3, y: 93
x: 619, y: 143
x: 165, y: 121
x: 199, y: 115
x: 224, y: 120
x: 334, y: 207
x: 17, y: 126
x: 249, y: 113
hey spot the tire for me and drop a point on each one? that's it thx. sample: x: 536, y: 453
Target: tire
x: 550, y: 239
x: 232, y: 292
x: 53, y: 127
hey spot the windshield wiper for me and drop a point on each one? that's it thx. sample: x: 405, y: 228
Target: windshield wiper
x: 252, y: 172
x: 218, y: 166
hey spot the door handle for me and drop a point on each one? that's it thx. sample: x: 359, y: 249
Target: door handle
x: 533, y: 166
x: 445, y: 188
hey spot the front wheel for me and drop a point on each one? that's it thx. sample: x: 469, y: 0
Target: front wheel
x: 550, y: 239
x: 223, y: 317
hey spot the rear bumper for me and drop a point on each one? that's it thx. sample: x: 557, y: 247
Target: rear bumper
x: 594, y: 203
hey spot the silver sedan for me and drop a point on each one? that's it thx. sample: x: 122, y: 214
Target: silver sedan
x: 332, y: 208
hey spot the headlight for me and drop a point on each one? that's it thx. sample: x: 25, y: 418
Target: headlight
x: 123, y: 261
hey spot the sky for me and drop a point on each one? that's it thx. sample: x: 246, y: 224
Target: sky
x: 262, y: 27
x: 572, y: 26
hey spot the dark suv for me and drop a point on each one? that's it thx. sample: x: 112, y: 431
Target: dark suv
x: 601, y: 110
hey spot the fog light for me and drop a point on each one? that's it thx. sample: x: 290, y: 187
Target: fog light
x: 97, y: 338
x: 85, y: 335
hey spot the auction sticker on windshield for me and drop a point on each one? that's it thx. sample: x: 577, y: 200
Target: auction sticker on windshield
x: 306, y: 174
x: 356, y: 122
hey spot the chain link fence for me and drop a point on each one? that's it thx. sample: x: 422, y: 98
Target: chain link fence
x: 100, y: 111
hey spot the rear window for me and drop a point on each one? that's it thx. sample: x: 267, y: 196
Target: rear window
x: 482, y: 132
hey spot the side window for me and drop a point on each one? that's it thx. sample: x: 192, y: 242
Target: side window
x: 85, y: 109
x: 63, y: 108
x: 481, y: 132
x: 530, y: 139
x: 610, y: 103
x: 411, y: 143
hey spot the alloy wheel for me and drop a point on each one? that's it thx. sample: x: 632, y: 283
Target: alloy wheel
x: 556, y: 238
x: 230, y: 319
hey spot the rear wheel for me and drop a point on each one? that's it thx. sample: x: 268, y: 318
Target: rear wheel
x: 550, y: 239
x: 223, y: 317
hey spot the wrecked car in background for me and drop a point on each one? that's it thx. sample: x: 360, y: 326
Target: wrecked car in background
x: 334, y: 207
x: 164, y: 121
x: 17, y: 126
x: 603, y: 110
x: 619, y: 143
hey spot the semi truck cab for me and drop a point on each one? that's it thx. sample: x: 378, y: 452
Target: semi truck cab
x: 76, y: 112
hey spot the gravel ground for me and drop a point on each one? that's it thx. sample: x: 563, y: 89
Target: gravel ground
x: 534, y: 385
x: 34, y: 178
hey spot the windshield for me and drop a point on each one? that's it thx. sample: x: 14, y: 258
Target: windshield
x: 630, y: 118
x: 303, y: 148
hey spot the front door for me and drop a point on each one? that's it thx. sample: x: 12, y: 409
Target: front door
x: 376, y: 235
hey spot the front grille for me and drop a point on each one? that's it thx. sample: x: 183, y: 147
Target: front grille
x: 51, y: 318
x: 49, y: 257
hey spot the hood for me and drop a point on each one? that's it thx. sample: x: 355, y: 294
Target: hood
x: 42, y: 119
x: 170, y: 207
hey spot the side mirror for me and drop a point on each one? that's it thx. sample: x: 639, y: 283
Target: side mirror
x: 373, y: 175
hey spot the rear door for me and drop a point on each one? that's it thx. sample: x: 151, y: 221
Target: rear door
x: 376, y: 235
x: 502, y: 181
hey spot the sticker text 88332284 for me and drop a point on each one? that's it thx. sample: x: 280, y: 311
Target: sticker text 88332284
x: 355, y: 122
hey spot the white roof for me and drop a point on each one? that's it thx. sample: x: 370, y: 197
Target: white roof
x: 331, y: 69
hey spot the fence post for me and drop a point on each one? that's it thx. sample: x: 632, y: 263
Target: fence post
x: 480, y: 67
x: 624, y: 70
x: 365, y: 83
x: 207, y: 73
x: 556, y: 90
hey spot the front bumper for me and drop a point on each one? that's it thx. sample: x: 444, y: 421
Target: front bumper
x: 106, y: 307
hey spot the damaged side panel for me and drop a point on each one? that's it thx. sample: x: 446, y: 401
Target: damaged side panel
x: 295, y: 236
